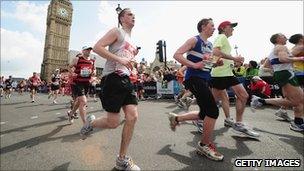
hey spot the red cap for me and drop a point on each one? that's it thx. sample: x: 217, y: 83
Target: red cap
x: 226, y: 23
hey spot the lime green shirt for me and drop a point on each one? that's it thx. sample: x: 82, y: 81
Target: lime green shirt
x: 225, y: 70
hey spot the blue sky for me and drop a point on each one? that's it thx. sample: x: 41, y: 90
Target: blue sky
x: 23, y: 25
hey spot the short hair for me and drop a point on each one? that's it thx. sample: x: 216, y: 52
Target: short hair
x: 254, y: 64
x: 273, y: 38
x: 122, y: 12
x: 294, y: 39
x: 203, y: 22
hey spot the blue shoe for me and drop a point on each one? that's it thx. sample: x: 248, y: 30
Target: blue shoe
x: 296, y: 127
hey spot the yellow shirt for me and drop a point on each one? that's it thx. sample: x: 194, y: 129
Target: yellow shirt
x: 225, y: 70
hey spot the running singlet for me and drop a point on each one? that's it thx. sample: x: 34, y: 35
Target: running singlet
x: 34, y: 80
x: 299, y: 65
x: 201, y: 51
x: 84, y: 69
x: 123, y: 47
x: 55, y: 79
x: 277, y: 65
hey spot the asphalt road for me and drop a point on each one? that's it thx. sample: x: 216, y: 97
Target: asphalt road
x: 37, y: 136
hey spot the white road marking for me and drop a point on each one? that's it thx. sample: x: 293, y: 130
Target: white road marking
x: 2, y: 123
x: 34, y: 117
x: 58, y: 113
x: 1, y: 136
x: 91, y: 107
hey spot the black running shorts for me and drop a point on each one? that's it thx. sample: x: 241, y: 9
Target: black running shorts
x: 222, y: 83
x: 205, y: 100
x: 81, y: 89
x: 117, y: 91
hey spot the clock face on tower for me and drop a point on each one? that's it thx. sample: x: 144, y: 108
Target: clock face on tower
x: 63, y: 12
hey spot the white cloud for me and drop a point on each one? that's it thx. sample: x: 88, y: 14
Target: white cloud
x: 21, y: 53
x: 33, y: 15
x: 106, y: 15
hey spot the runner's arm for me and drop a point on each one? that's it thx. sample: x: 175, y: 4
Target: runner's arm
x: 282, y: 52
x: 217, y: 52
x: 187, y: 46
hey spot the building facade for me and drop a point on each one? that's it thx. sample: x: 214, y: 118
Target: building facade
x: 56, y: 48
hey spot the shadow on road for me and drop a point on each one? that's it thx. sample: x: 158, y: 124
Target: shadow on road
x: 16, y: 103
x: 41, y: 139
x: 33, y: 105
x: 63, y: 166
x: 50, y: 110
x: 23, y: 129
x: 296, y: 142
x: 197, y: 162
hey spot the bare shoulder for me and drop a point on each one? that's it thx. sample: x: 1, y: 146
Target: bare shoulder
x: 280, y: 48
x: 191, y: 42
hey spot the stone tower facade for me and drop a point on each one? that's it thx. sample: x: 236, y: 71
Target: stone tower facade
x: 59, y: 21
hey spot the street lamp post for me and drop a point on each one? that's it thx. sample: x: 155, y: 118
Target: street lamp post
x: 118, y: 10
x: 235, y: 47
x: 165, y: 54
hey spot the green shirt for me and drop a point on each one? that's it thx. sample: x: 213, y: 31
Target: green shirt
x: 225, y: 70
x: 251, y: 72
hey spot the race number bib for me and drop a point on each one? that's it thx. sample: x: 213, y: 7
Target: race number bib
x: 208, y: 61
x: 85, y: 72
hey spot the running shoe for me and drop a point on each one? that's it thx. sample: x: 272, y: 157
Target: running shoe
x: 172, y: 121
x: 188, y: 102
x: 241, y: 129
x: 209, y: 151
x: 283, y: 115
x: 75, y: 116
x: 199, y: 124
x: 87, y: 127
x: 255, y: 103
x: 229, y: 122
x: 296, y: 127
x: 126, y: 164
x: 70, y: 117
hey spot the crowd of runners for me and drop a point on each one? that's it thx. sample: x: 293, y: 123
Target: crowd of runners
x: 207, y: 76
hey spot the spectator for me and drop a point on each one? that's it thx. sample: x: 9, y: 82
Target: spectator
x: 259, y: 87
x: 239, y: 70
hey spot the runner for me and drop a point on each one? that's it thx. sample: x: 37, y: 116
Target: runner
x: 117, y: 90
x: 198, y: 64
x: 281, y: 61
x: 55, y: 85
x: 92, y: 88
x: 223, y: 78
x: 1, y: 85
x: 298, y: 51
x: 8, y: 87
x: 21, y: 87
x: 84, y: 70
x: 34, y: 82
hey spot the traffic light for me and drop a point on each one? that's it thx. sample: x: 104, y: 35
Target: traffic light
x: 159, y: 50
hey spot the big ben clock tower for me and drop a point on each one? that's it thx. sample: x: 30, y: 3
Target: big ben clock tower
x: 59, y: 21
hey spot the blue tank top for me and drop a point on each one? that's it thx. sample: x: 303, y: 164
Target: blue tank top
x: 202, y: 48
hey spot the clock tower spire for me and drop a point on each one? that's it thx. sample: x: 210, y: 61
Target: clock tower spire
x: 59, y: 21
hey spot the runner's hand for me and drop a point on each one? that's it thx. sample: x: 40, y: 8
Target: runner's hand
x: 127, y: 62
x: 239, y: 59
x: 219, y: 62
